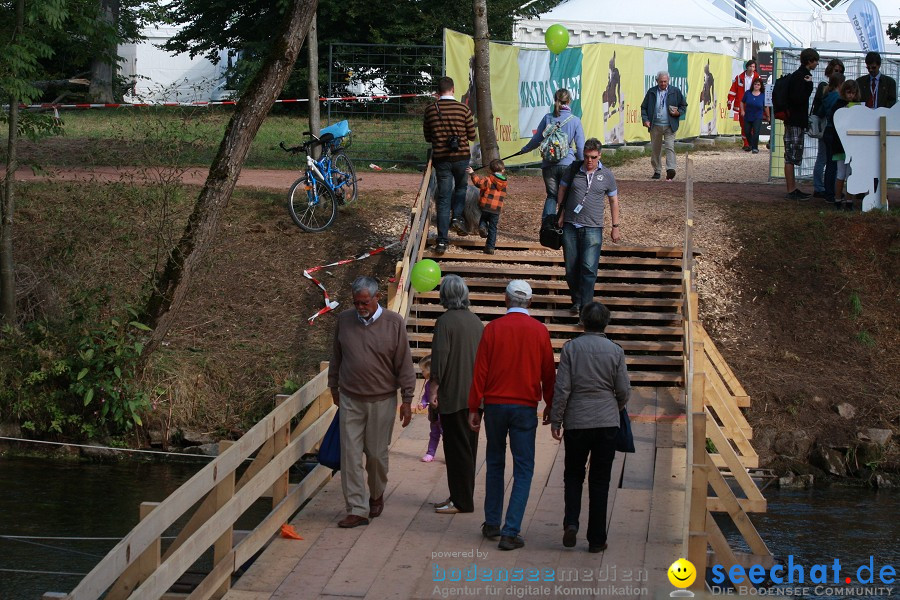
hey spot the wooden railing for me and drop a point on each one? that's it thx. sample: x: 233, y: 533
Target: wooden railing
x: 401, y: 292
x: 214, y: 498
x: 718, y: 439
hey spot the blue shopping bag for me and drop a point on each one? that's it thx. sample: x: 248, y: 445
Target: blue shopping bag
x: 624, y: 439
x: 330, y: 450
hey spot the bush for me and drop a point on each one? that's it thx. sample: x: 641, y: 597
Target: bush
x: 75, y: 377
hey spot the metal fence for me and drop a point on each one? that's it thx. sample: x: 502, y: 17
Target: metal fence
x: 386, y: 129
x: 787, y: 60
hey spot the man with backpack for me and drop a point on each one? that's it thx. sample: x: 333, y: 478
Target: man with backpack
x: 791, y: 103
x: 449, y: 126
x: 662, y: 109
x: 555, y: 135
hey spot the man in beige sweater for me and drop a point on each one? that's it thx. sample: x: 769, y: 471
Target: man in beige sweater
x: 370, y: 361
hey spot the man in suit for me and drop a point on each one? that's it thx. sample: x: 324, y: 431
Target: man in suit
x: 876, y: 90
x: 661, y: 110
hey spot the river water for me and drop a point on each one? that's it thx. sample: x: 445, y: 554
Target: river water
x: 68, y: 499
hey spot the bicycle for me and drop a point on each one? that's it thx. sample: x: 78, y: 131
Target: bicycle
x: 327, y: 183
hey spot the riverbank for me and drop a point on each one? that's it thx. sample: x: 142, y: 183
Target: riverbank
x: 801, y: 299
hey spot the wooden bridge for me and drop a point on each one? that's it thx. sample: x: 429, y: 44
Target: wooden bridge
x: 692, y: 441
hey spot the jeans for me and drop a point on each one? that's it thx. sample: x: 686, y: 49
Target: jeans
x: 520, y: 423
x: 830, y: 171
x: 751, y: 133
x: 490, y: 221
x: 822, y: 159
x: 451, y: 194
x: 552, y: 175
x: 599, y: 444
x: 581, y: 251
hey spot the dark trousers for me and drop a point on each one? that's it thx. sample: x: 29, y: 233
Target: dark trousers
x: 490, y: 221
x: 830, y: 171
x: 600, y: 445
x: 751, y: 131
x: 452, y: 183
x: 460, y: 453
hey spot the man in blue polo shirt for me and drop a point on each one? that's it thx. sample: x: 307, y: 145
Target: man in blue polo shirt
x: 582, y: 192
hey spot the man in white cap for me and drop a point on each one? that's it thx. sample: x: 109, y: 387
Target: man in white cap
x: 514, y: 369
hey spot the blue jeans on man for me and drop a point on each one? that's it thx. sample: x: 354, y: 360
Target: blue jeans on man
x: 452, y: 182
x: 519, y: 422
x: 581, y: 250
x: 552, y: 176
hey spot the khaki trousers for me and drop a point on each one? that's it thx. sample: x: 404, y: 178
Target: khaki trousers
x: 662, y: 138
x: 366, y: 429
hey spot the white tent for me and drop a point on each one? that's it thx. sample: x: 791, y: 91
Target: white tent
x: 804, y: 23
x: 161, y: 76
x: 682, y: 26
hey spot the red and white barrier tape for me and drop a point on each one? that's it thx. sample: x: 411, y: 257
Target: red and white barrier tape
x: 330, y: 304
x: 217, y: 103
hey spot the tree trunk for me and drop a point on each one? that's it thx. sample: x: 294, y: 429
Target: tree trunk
x: 103, y: 67
x: 486, y: 133
x: 312, y: 47
x: 7, y: 198
x: 174, y: 280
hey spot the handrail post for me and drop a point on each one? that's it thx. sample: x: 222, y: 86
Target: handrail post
x: 280, y: 440
x: 141, y: 568
x: 699, y: 479
x: 223, y: 492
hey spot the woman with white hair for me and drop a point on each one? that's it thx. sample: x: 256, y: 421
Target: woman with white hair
x: 453, y: 347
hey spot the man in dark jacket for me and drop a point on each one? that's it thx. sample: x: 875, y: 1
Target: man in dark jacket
x: 663, y: 107
x: 800, y: 88
x: 876, y: 90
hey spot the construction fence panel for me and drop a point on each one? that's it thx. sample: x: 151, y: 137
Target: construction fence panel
x: 383, y: 91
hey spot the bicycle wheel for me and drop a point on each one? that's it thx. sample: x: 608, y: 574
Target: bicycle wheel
x: 343, y: 178
x: 312, y: 205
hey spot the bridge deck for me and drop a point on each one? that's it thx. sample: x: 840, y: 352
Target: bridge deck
x: 394, y: 556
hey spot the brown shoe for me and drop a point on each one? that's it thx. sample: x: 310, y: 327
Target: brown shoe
x: 352, y: 521
x: 376, y: 506
x: 448, y: 509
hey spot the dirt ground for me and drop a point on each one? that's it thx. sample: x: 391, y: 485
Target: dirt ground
x: 802, y: 300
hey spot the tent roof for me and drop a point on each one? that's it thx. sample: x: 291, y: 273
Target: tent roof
x: 681, y: 13
x: 886, y: 8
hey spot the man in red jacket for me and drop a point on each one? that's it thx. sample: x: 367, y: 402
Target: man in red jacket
x: 514, y: 368
x: 742, y: 83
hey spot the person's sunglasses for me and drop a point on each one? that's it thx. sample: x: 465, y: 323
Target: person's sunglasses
x: 589, y: 157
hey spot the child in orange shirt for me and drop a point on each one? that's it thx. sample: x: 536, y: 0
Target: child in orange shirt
x: 493, y: 192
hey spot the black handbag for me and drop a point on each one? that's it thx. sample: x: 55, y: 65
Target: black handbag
x: 624, y: 437
x: 551, y: 233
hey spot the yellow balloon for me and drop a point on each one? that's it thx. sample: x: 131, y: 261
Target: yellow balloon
x: 682, y: 573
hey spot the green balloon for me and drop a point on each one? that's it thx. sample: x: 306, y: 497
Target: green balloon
x: 557, y: 38
x: 425, y: 276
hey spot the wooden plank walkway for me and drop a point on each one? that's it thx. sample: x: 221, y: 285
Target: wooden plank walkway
x: 404, y: 553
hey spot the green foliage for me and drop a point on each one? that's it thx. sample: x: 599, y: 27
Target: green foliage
x: 855, y: 306
x: 210, y: 26
x: 77, y: 377
x: 865, y: 338
x: 711, y: 447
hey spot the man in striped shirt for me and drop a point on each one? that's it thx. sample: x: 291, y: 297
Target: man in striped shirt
x: 449, y: 126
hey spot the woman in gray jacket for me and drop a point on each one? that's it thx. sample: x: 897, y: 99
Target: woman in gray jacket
x: 592, y: 386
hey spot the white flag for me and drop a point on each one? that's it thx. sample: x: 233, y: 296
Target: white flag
x: 867, y: 24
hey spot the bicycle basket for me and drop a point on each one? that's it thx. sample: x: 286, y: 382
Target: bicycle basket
x: 341, y: 132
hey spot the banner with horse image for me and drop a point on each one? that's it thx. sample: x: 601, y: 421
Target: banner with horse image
x: 607, y: 83
x: 621, y: 96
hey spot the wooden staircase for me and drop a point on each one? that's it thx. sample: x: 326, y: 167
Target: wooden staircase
x: 641, y: 285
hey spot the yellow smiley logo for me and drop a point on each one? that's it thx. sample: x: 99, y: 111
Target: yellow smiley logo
x: 682, y: 573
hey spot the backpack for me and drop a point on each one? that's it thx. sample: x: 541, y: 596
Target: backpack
x: 780, y: 98
x: 555, y: 146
